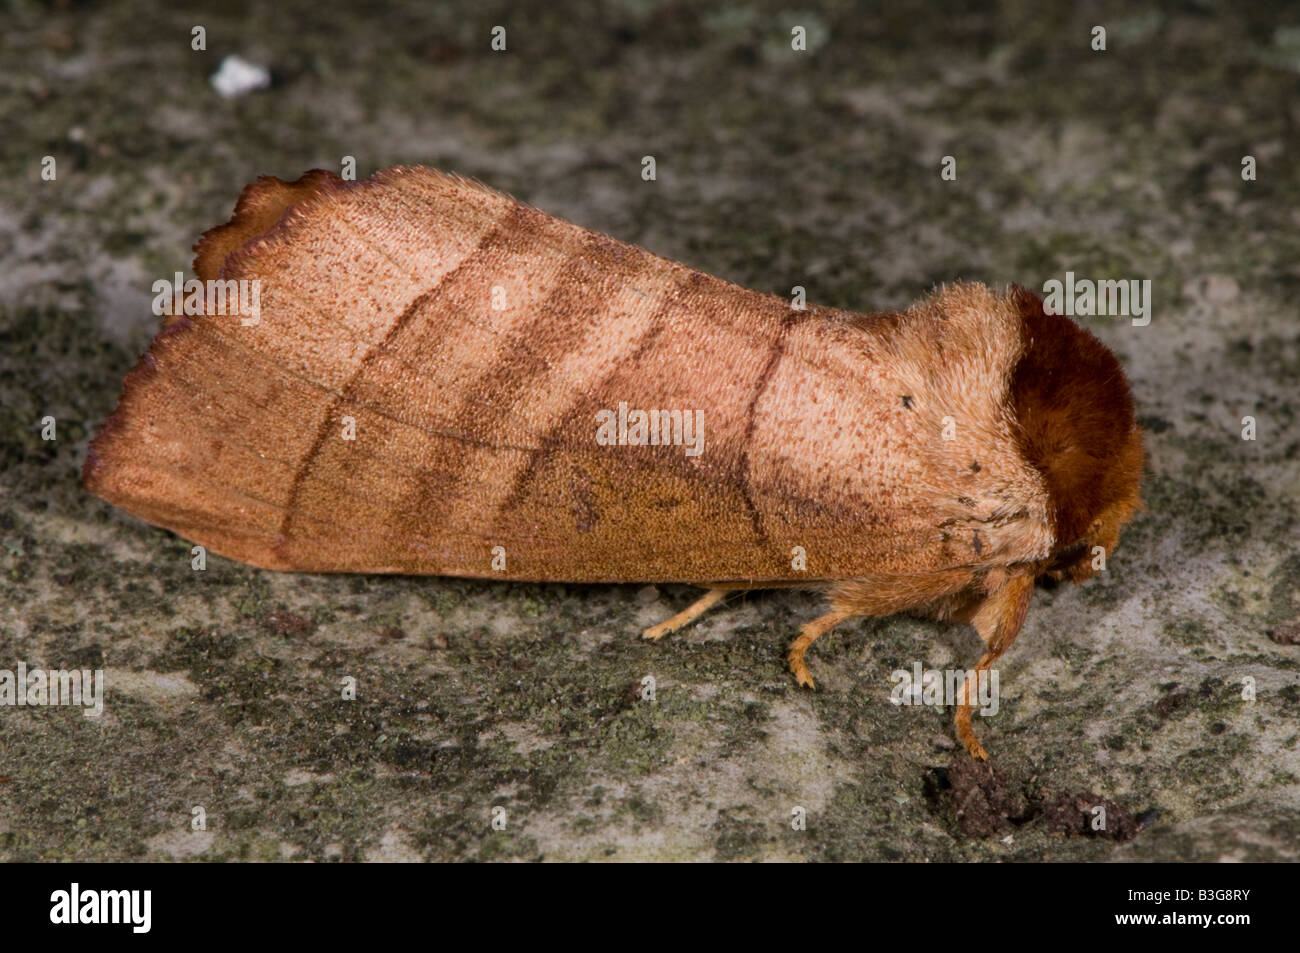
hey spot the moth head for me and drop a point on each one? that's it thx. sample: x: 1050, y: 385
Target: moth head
x: 1076, y: 426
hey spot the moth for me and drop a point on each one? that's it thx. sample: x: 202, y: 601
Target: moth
x: 442, y: 380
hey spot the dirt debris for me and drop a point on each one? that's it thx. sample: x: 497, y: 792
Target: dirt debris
x: 985, y: 802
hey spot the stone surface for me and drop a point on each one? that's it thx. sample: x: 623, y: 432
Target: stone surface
x: 775, y: 168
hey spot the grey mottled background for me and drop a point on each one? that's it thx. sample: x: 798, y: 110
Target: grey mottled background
x: 775, y: 168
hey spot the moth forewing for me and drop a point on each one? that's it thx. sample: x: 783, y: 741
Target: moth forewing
x: 445, y: 381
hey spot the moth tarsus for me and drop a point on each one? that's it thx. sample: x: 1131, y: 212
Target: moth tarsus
x: 421, y: 385
x: 687, y: 615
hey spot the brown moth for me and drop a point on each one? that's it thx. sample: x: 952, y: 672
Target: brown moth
x: 445, y: 381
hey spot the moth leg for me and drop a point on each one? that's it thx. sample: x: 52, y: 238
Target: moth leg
x: 997, y: 620
x: 686, y: 616
x: 809, y: 634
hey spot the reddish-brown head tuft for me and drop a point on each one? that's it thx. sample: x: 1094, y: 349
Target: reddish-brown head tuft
x: 1077, y: 427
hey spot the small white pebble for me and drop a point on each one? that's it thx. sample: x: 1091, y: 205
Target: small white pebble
x: 236, y: 76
